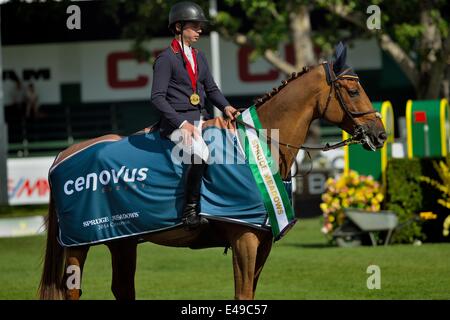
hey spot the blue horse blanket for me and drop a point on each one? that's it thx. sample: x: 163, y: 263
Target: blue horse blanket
x: 114, y: 189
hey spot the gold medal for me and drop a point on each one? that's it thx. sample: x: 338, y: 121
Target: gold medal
x: 195, y: 99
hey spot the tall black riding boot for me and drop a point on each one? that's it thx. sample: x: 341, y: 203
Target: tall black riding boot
x: 194, y: 174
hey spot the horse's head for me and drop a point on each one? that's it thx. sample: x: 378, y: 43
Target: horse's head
x: 347, y: 105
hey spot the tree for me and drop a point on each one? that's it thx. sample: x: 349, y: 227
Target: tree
x: 414, y: 33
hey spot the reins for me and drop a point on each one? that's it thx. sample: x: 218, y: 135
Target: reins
x: 359, y: 132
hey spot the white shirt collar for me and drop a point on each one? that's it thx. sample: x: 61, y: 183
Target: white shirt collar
x: 186, y: 48
x: 188, y: 53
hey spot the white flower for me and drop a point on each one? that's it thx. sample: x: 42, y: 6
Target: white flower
x: 324, y: 230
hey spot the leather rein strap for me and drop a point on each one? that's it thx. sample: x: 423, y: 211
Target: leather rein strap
x: 358, y: 137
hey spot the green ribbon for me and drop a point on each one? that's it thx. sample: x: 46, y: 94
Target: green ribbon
x: 265, y: 173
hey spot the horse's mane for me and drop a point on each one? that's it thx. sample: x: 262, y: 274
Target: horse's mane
x: 268, y: 95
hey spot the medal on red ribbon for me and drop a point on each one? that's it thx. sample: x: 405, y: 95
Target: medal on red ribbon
x: 194, y: 98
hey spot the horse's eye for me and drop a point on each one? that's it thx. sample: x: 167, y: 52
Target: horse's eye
x: 353, y: 92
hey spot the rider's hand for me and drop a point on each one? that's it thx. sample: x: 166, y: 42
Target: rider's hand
x: 231, y: 112
x: 188, y: 130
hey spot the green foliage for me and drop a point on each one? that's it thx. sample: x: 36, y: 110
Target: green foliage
x: 267, y: 24
x: 404, y: 196
x: 443, y: 170
x: 269, y: 20
x: 406, y: 33
x: 407, y: 196
x: 226, y: 20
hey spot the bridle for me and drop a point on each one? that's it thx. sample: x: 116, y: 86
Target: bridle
x: 359, y: 136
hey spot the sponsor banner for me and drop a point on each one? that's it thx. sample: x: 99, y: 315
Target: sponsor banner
x: 40, y: 64
x: 108, y: 71
x: 23, y: 226
x: 27, y: 180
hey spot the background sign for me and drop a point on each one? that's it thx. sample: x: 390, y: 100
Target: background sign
x: 27, y: 180
x: 107, y: 70
x: 23, y: 226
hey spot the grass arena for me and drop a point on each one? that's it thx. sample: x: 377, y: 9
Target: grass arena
x: 302, y: 266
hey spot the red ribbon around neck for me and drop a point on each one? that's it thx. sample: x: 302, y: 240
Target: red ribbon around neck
x: 193, y: 76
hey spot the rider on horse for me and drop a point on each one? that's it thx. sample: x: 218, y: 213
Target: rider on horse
x: 180, y: 82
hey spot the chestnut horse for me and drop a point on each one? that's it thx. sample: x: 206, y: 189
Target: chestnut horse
x: 325, y: 91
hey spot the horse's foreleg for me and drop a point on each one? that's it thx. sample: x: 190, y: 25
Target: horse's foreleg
x: 263, y: 252
x: 75, y: 259
x: 123, y: 255
x: 244, y: 244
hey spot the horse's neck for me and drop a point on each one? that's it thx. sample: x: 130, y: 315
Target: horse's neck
x: 291, y: 111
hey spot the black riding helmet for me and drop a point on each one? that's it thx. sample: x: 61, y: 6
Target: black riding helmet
x: 185, y: 11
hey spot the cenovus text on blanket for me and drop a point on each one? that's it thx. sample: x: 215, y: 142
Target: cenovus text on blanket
x: 104, y: 177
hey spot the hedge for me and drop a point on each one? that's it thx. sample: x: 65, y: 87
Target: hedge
x: 407, y: 197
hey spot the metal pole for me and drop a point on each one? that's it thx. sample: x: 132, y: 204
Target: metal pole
x: 215, y: 52
x: 426, y: 140
x: 3, y: 136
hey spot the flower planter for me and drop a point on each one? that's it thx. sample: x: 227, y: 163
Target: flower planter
x: 361, y: 223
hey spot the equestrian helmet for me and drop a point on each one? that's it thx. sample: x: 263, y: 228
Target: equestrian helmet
x: 186, y: 11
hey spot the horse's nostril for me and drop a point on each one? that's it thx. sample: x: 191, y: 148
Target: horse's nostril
x: 382, y: 136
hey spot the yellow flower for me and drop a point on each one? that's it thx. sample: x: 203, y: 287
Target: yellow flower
x: 428, y: 215
x: 446, y: 231
x: 340, y: 184
x: 350, y: 190
x: 354, y: 174
x: 447, y: 222
x: 326, y: 197
x: 359, y: 196
x: 343, y: 195
x: 444, y: 203
x: 335, y: 204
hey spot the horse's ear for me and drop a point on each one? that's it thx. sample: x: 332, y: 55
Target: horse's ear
x: 340, y: 55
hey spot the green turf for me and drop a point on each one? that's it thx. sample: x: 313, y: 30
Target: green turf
x: 23, y: 211
x: 301, y: 266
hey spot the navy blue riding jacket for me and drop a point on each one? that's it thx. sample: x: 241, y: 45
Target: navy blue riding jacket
x: 172, y: 88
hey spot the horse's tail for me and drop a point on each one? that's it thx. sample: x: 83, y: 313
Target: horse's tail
x: 51, y: 286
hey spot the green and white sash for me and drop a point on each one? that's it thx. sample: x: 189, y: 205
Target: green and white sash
x: 270, y: 185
